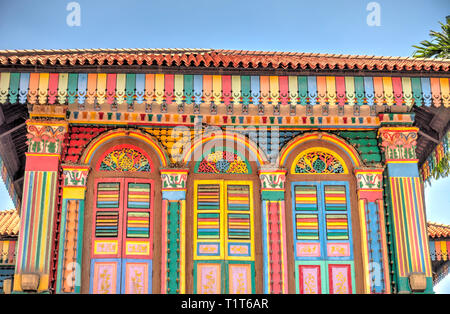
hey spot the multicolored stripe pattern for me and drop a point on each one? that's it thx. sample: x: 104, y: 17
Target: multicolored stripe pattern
x: 239, y: 226
x: 108, y: 88
x: 37, y: 217
x: 335, y: 198
x: 238, y: 197
x: 208, y: 226
x: 307, y: 226
x: 138, y: 224
x: 337, y: 226
x: 410, y: 226
x: 305, y: 198
x: 138, y: 195
x: 107, y: 224
x: 208, y: 197
x: 108, y: 195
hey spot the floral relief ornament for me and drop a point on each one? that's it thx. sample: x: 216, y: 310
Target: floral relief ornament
x: 399, y: 144
x: 45, y: 138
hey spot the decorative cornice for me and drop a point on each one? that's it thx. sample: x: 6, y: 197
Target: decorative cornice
x: 218, y: 58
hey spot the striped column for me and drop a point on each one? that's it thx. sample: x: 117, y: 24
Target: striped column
x: 406, y: 211
x: 274, y: 230
x: 173, y: 267
x: 373, y: 231
x: 71, y: 235
x: 38, y: 209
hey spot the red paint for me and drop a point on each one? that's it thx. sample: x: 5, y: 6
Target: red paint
x: 168, y: 87
x: 110, y: 88
x: 340, y: 90
x: 41, y: 162
x: 284, y: 89
x: 330, y: 276
x: 226, y: 89
x: 319, y: 278
x: 275, y: 248
x: 398, y: 90
x: 52, y: 87
x: 371, y: 195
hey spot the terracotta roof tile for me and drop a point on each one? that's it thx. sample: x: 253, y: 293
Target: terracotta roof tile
x: 436, y: 230
x: 218, y: 58
x: 9, y: 222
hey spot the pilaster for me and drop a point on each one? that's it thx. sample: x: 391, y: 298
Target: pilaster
x: 39, y: 200
x: 373, y: 231
x: 173, y: 233
x: 274, y: 230
x: 406, y: 210
x: 72, y: 222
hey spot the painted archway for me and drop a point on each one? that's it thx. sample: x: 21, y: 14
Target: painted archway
x: 322, y: 215
x: 223, y: 215
x: 122, y: 214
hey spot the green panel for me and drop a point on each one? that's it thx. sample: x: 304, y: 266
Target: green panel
x: 188, y: 88
x: 359, y: 89
x: 14, y: 80
x: 72, y: 86
x: 130, y: 87
x: 303, y: 89
x: 245, y: 89
x: 416, y: 86
x: 173, y: 247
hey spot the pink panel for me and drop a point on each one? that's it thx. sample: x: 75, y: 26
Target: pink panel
x: 239, y: 279
x: 398, y: 90
x: 105, y: 278
x: 208, y: 278
x: 226, y: 89
x: 275, y: 248
x: 310, y: 282
x: 168, y: 87
x: 208, y: 248
x: 52, y: 87
x: 136, y: 278
x: 338, y: 249
x: 340, y: 90
x: 284, y: 89
x: 340, y: 279
x: 308, y: 249
x: 110, y: 88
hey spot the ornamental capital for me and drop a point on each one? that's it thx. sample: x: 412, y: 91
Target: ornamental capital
x: 46, y: 136
x: 174, y: 179
x: 75, y: 175
x: 398, y: 143
x: 272, y: 178
x: 369, y: 178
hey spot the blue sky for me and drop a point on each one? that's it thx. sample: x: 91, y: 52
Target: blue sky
x: 337, y: 27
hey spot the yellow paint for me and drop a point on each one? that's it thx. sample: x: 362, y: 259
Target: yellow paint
x: 274, y: 87
x: 74, y: 192
x: 365, y: 259
x: 293, y: 87
x: 4, y: 81
x: 223, y: 212
x: 315, y: 149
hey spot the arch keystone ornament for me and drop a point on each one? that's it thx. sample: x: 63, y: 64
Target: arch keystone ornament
x: 406, y: 208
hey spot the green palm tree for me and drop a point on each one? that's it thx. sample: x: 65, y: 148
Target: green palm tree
x: 438, y: 47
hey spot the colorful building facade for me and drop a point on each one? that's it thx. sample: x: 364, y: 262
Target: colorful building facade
x: 213, y: 171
